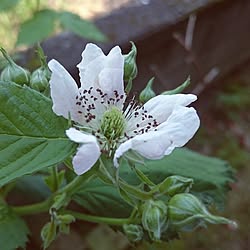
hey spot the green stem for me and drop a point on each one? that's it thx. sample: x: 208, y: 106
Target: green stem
x: 139, y: 194
x: 74, y: 185
x: 44, y: 206
x: 55, y: 178
x: 98, y: 219
x: 34, y: 208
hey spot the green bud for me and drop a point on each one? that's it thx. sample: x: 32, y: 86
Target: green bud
x: 179, y: 89
x: 175, y: 184
x: 154, y: 218
x: 43, y: 62
x: 13, y: 72
x: 48, y: 234
x: 63, y: 222
x: 186, y: 213
x: 130, y: 68
x: 38, y: 80
x: 133, y: 232
x: 148, y: 92
x: 65, y: 218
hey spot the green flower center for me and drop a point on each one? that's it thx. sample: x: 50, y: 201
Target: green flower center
x: 112, y: 124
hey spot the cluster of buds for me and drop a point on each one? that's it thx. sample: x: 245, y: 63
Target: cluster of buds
x: 173, y: 210
x: 38, y: 80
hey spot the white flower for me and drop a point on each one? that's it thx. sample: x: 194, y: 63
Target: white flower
x: 100, y: 124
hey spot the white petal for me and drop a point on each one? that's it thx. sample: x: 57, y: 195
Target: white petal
x: 175, y: 132
x: 180, y: 127
x: 63, y: 91
x: 90, y: 53
x: 115, y: 59
x: 161, y: 106
x: 111, y: 80
x: 87, y: 154
x: 123, y: 148
x: 79, y: 137
x: 92, y: 63
x: 114, y: 69
x: 151, y: 145
x: 86, y: 157
x: 100, y: 71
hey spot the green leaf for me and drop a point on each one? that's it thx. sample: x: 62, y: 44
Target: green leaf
x: 81, y: 27
x: 102, y: 199
x: 36, y: 29
x: 211, y: 177
x: 32, y: 137
x: 33, y: 187
x: 6, y: 5
x: 13, y: 230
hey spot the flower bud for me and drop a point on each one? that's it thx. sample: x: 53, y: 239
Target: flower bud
x: 38, y: 80
x: 186, y: 213
x: 148, y: 92
x: 133, y: 232
x: 175, y: 184
x: 154, y: 218
x: 13, y: 72
x: 65, y: 218
x: 130, y: 68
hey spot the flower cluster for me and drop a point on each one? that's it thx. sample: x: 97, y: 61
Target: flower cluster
x: 102, y: 121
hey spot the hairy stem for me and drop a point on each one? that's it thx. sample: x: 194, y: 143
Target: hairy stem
x: 98, y: 219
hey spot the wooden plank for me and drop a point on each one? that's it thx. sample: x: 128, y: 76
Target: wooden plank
x: 221, y: 40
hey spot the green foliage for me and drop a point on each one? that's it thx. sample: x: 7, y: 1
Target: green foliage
x: 32, y: 137
x: 13, y: 230
x: 235, y: 96
x: 81, y: 27
x: 39, y: 27
x: 6, y: 5
x: 33, y: 187
x: 231, y: 149
x: 211, y: 177
x: 102, y: 199
x: 29, y: 22
x: 42, y: 24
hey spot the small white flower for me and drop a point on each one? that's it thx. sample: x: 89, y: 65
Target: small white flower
x: 100, y: 124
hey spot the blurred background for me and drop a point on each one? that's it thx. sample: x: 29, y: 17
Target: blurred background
x: 206, y: 39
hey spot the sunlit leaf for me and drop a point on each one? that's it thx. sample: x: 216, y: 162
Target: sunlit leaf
x: 36, y: 29
x: 6, y: 5
x: 81, y: 27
